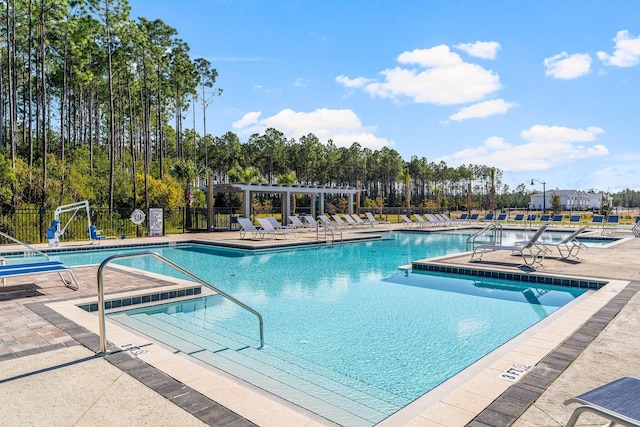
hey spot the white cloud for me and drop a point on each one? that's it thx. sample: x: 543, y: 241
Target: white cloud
x: 247, y: 120
x: 483, y: 109
x: 627, y: 51
x: 484, y: 50
x: 566, y: 67
x: 341, y: 126
x: 301, y: 82
x: 445, y: 80
x: 545, y: 147
x: 352, y: 83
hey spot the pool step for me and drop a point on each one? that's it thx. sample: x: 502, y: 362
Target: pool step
x: 324, y: 396
x: 365, y: 393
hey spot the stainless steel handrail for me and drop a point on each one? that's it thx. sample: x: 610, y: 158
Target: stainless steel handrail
x: 6, y: 236
x: 101, y: 315
x: 495, y: 227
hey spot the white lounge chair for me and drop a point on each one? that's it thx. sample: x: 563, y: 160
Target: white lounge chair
x: 246, y: 226
x: 274, y: 222
x: 422, y: 222
x: 531, y: 252
x: 341, y: 222
x: 361, y: 222
x: 569, y: 247
x: 268, y: 229
x: 324, y: 220
x: 373, y: 219
x: 311, y: 221
x: 298, y: 224
x: 406, y: 221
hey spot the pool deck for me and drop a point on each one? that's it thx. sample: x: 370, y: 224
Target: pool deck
x: 50, y: 373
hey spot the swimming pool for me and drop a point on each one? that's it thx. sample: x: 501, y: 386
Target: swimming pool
x: 348, y: 335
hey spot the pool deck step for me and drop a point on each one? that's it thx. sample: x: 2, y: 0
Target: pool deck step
x: 326, y: 397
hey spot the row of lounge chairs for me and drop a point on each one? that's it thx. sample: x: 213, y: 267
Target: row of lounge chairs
x: 533, y: 251
x: 431, y: 220
x: 270, y: 227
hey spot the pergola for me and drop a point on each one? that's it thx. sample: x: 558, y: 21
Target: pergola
x: 317, y: 192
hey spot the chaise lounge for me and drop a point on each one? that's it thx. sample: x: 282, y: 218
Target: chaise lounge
x: 531, y: 252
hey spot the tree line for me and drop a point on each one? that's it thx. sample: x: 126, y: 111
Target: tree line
x: 93, y: 104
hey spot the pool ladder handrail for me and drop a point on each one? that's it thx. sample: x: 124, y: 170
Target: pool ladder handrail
x: 496, y: 234
x: 101, y: 314
x: 330, y: 228
x: 30, y: 248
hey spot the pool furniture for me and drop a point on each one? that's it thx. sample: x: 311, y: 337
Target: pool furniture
x: 324, y: 220
x: 502, y: 217
x: 422, y: 222
x: 569, y: 246
x: 311, y: 221
x: 406, y: 221
x: 14, y: 270
x: 360, y: 221
x: 343, y: 222
x: 518, y: 218
x: 617, y: 401
x: 274, y: 222
x: 575, y: 219
x: 545, y: 218
x: 531, y: 252
x: 246, y: 226
x: 597, y: 221
x: 269, y: 229
x: 488, y: 217
x: 373, y: 220
x: 298, y: 224
x: 464, y: 217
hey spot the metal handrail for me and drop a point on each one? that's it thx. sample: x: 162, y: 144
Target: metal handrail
x: 495, y: 227
x: 330, y: 228
x: 6, y: 236
x: 101, y: 315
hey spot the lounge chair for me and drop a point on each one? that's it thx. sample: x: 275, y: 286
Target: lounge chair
x: 360, y: 221
x: 372, y: 219
x: 474, y: 217
x: 311, y: 221
x: 545, y: 218
x: 325, y: 221
x: 575, y: 219
x: 531, y: 252
x: 15, y: 270
x: 532, y: 217
x: 268, y: 229
x: 246, y: 226
x: 569, y: 246
x: 617, y: 401
x: 518, y: 218
x: 406, y: 221
x: 597, y: 221
x: 298, y: 224
x: 557, y: 219
x: 611, y: 222
x: 345, y: 221
x: 424, y: 222
x: 464, y: 217
x: 502, y: 217
x: 488, y: 217
x: 274, y: 222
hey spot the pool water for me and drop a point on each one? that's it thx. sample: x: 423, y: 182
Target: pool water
x: 347, y: 334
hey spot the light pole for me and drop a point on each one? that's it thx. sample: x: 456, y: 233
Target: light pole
x: 544, y: 193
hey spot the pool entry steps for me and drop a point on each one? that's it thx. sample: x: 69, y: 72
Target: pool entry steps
x: 338, y: 398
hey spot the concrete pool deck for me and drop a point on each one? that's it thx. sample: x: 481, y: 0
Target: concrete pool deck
x: 49, y: 374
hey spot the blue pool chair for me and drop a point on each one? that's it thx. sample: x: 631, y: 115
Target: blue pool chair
x: 617, y: 401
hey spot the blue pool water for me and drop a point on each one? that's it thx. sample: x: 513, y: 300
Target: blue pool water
x: 360, y: 337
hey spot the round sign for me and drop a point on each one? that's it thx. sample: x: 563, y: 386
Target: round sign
x: 137, y: 217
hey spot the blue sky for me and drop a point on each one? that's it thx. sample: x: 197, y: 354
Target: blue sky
x: 540, y: 89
